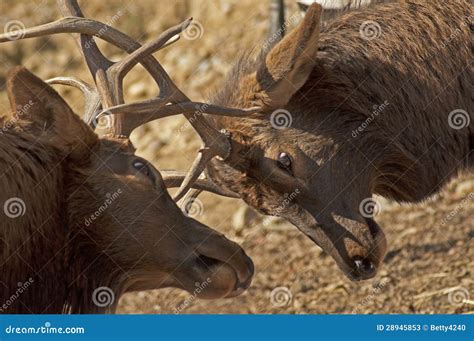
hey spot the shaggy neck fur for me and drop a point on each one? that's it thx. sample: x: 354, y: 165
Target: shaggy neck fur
x: 46, y: 264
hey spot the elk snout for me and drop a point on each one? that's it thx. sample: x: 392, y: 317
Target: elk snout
x: 357, y: 245
x: 222, y: 265
x: 231, y: 269
x: 365, y: 247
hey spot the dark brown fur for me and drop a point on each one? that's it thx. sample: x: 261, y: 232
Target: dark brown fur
x: 53, y: 256
x: 421, y: 65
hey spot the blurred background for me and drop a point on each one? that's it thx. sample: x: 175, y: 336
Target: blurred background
x: 430, y: 262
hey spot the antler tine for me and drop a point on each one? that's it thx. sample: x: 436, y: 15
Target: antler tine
x: 74, y: 82
x: 92, y: 98
x: 89, y: 27
x: 108, y: 76
x: 215, y: 143
x: 159, y: 108
x: 69, y: 24
x: 94, y: 58
x: 205, y: 155
x: 98, y: 65
x: 175, y: 178
x: 166, y: 38
x: 148, y: 110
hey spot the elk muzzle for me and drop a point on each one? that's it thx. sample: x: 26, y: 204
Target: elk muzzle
x: 219, y: 266
x: 357, y: 245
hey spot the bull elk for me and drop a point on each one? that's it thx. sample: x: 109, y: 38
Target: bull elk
x: 378, y: 101
x: 83, y: 213
x: 369, y: 110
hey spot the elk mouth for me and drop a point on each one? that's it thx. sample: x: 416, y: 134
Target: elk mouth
x: 363, y: 262
x: 356, y: 247
x: 208, y: 277
x: 225, y: 277
x: 202, y: 276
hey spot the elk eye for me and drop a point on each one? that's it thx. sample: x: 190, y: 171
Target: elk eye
x: 141, y: 167
x: 284, y: 162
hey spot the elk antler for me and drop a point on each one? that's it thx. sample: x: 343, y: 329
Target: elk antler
x: 92, y: 98
x: 174, y: 179
x: 108, y: 76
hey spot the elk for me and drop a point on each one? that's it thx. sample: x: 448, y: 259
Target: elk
x: 82, y: 213
x: 414, y: 62
x: 338, y: 151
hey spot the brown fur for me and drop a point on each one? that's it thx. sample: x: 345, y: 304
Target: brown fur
x: 421, y: 65
x: 63, y: 173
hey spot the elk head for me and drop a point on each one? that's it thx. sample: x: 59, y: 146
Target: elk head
x: 314, y: 156
x: 143, y: 233
x: 246, y: 156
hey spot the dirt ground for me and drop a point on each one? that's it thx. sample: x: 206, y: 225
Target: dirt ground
x: 430, y: 263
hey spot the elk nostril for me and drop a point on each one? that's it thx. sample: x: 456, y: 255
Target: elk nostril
x: 208, y: 261
x: 364, y: 266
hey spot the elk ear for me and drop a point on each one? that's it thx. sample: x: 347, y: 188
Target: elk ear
x: 44, y: 113
x: 289, y: 63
